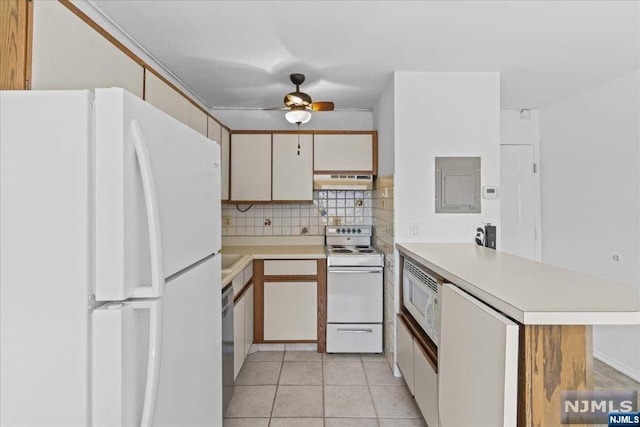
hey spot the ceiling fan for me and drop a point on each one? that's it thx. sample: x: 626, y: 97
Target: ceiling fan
x: 300, y: 104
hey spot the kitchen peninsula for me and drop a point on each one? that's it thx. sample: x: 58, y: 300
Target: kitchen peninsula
x: 552, y: 310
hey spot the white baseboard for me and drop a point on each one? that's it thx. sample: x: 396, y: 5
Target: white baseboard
x: 630, y: 372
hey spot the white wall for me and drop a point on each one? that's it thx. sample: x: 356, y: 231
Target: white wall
x: 590, y: 161
x: 384, y: 123
x: 515, y: 130
x: 443, y: 114
x: 274, y: 120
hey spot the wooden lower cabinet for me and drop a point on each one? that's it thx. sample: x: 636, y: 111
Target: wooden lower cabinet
x: 238, y: 337
x: 290, y: 311
x: 426, y: 387
x: 290, y: 301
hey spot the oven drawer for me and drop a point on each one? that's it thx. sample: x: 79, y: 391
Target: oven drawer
x: 354, y: 338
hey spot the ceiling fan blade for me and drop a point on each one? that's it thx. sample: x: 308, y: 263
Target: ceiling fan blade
x: 322, y: 106
x: 276, y: 109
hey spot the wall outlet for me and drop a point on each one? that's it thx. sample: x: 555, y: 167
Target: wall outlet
x: 414, y: 230
x: 227, y: 221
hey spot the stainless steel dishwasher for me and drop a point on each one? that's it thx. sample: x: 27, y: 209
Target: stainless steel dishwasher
x: 227, y: 347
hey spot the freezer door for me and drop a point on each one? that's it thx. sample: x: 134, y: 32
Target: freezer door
x: 157, y: 196
x: 158, y: 362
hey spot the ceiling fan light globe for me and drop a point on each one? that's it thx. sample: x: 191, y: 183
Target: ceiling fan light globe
x: 298, y: 116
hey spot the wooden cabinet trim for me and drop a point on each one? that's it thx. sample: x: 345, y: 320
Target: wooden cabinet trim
x: 16, y: 30
x: 258, y: 300
x: 130, y: 54
x: 426, y: 345
x: 287, y: 278
x: 318, y: 132
x: 243, y: 291
x: 322, y: 306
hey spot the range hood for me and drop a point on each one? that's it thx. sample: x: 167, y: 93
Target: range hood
x: 343, y: 182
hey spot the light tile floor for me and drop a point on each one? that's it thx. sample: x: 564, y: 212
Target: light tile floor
x: 303, y: 388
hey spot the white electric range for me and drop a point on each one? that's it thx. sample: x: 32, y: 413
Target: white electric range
x: 354, y: 290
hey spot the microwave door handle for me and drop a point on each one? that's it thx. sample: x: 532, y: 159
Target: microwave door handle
x: 153, y: 216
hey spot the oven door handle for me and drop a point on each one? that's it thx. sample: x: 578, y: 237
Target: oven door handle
x: 355, y: 271
x: 355, y: 331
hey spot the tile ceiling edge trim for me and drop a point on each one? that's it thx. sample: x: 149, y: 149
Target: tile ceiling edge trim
x: 83, y: 5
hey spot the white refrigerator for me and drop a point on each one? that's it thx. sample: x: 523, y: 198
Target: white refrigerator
x: 109, y: 264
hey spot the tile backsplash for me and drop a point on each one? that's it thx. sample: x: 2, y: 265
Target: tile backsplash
x: 329, y: 207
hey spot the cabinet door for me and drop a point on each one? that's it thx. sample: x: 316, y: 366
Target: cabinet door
x: 290, y: 311
x: 343, y: 152
x: 251, y: 167
x: 161, y: 95
x: 477, y: 363
x: 426, y: 387
x: 69, y: 54
x: 238, y: 337
x: 248, y: 320
x: 404, y: 351
x: 197, y: 119
x: 219, y: 134
x: 292, y: 167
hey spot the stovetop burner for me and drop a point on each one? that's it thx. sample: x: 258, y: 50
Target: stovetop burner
x: 362, y: 247
x: 341, y: 251
x: 365, y: 251
x: 337, y: 247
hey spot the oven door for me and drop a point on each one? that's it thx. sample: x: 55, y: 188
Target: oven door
x: 354, y: 295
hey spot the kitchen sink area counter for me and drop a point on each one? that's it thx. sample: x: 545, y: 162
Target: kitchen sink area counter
x: 239, y: 257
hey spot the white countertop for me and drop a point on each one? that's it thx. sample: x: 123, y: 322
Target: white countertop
x: 528, y: 291
x: 268, y: 252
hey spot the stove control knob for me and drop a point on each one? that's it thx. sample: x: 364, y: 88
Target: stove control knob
x: 348, y: 230
x: 359, y: 231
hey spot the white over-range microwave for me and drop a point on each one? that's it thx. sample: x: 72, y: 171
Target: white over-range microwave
x: 420, y: 293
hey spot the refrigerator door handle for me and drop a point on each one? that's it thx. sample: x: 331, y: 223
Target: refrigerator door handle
x: 153, y: 363
x: 153, y: 216
x: 118, y: 365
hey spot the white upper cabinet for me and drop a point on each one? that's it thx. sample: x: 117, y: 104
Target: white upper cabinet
x: 69, y: 54
x: 167, y: 99
x: 292, y: 167
x: 219, y: 134
x: 197, y: 119
x: 343, y: 152
x: 251, y: 167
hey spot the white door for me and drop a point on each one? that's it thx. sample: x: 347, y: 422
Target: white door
x: 354, y: 295
x: 477, y: 363
x: 178, y: 382
x: 518, y: 202
x: 157, y: 192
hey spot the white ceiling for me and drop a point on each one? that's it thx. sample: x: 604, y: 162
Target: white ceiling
x: 240, y: 53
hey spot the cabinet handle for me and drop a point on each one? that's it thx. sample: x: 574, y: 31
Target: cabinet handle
x: 355, y: 331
